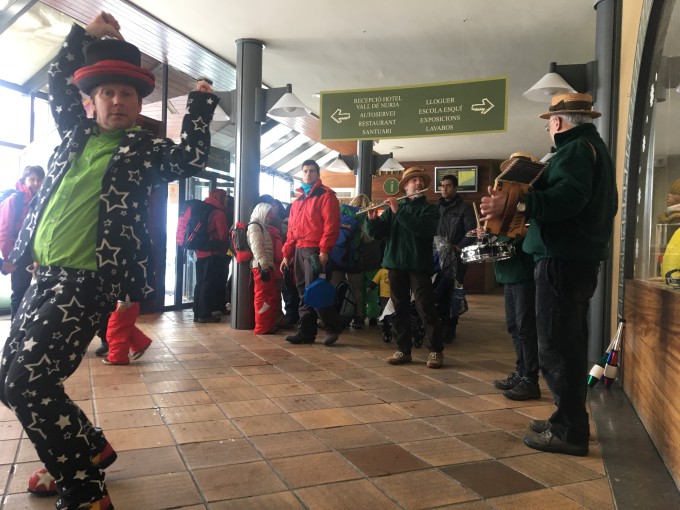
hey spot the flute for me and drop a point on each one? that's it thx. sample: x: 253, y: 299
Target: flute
x: 378, y: 206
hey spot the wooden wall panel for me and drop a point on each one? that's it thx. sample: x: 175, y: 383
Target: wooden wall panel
x: 651, y: 364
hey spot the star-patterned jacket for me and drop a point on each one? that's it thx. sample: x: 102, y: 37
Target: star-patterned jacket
x: 140, y: 164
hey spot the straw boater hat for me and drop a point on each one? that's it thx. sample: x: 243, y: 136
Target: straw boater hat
x: 517, y: 155
x: 571, y: 103
x: 414, y: 171
x: 113, y: 61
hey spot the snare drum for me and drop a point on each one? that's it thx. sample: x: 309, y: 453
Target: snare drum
x: 487, y: 252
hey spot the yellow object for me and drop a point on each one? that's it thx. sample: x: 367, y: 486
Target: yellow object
x: 671, y: 257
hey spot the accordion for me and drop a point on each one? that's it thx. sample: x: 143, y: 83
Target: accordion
x: 516, y: 180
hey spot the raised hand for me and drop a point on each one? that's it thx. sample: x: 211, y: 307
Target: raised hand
x: 104, y: 25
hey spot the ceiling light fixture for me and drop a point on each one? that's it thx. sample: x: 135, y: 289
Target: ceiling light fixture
x: 564, y: 79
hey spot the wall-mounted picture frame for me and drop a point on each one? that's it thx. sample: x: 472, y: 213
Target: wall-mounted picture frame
x: 467, y: 177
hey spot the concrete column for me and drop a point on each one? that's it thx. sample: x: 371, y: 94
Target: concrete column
x: 247, y: 176
x: 365, y: 169
x: 607, y: 42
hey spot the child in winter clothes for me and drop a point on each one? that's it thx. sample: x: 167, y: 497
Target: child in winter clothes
x: 123, y: 336
x: 265, y: 242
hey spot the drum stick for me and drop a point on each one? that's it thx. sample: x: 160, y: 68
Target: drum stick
x: 474, y: 206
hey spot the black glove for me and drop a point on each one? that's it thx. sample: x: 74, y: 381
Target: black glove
x: 264, y: 275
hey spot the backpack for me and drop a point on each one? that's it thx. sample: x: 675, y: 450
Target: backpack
x: 238, y: 236
x: 195, y: 222
x: 345, y: 302
x: 345, y: 253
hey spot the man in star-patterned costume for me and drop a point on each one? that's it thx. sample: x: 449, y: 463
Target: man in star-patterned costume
x: 87, y: 230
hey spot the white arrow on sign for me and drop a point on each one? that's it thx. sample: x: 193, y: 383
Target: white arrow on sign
x: 484, y: 107
x: 338, y: 116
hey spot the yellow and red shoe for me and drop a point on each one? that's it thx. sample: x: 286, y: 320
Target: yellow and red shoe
x: 42, y: 483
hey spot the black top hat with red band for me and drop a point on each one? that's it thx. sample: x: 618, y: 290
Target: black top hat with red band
x: 113, y: 61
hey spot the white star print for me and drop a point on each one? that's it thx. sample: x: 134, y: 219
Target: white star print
x: 67, y: 308
x: 29, y: 344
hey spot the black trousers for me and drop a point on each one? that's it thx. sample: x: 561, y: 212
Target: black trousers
x: 303, y: 277
x: 21, y: 280
x: 402, y: 283
x: 211, y: 280
x: 48, y: 338
x: 520, y: 319
x: 563, y: 292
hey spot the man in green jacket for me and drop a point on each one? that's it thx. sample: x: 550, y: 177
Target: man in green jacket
x: 410, y: 227
x: 571, y: 213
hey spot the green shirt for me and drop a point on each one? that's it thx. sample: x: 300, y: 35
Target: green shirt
x: 66, y: 234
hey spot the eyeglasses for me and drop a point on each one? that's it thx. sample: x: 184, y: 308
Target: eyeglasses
x: 547, y: 126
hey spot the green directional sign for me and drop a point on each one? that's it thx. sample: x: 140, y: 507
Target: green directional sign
x: 453, y: 108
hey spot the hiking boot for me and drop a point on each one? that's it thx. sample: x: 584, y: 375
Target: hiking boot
x: 435, y: 360
x: 331, y: 337
x: 539, y: 426
x: 42, y: 483
x: 103, y: 349
x: 357, y: 323
x: 509, y: 382
x: 398, y: 358
x: 135, y: 355
x: 299, y: 338
x: 525, y: 390
x: 548, y: 442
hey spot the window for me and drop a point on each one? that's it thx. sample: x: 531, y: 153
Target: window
x: 657, y: 234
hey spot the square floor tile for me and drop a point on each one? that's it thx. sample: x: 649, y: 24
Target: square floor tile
x: 458, y: 424
x: 352, y: 436
x: 444, y: 451
x: 423, y: 408
x: 324, y: 418
x: 249, y: 408
x: 219, y: 453
x: 302, y: 403
x: 545, y: 498
x: 384, y: 460
x: 595, y: 494
x: 278, y: 501
x: 145, y: 462
x: 185, y: 414
x: 204, y: 431
x: 497, y: 444
x: 288, y: 444
x: 129, y: 419
x: 407, y: 430
x: 140, y: 437
x: 184, y: 398
x: 424, y: 489
x: 267, y: 424
x: 551, y: 469
x: 351, y: 398
x: 476, y: 476
x: 169, y: 491
x: 238, y: 481
x: 377, y: 412
x: 315, y: 469
x: 353, y: 495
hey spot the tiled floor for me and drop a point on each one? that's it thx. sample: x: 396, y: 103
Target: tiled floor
x: 217, y: 419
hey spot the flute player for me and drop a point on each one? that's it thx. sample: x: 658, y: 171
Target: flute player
x: 409, y: 227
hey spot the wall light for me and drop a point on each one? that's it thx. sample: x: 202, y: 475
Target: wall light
x: 562, y: 79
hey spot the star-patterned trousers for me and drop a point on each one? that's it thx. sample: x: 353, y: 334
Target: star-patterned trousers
x: 48, y: 338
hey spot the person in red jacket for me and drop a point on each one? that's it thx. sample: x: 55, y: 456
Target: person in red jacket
x: 211, y: 266
x: 313, y: 228
x: 13, y: 210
